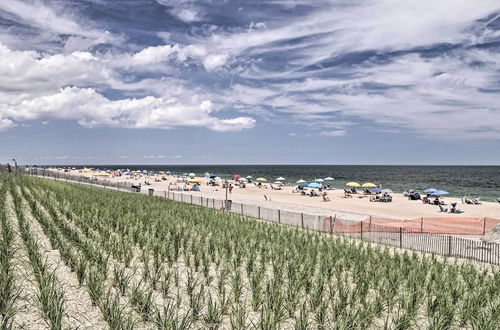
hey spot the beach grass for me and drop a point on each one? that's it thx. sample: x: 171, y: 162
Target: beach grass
x: 153, y: 263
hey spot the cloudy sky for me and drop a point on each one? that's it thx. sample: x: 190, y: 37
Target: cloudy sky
x: 250, y: 82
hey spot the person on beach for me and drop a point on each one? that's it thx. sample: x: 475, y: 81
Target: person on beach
x: 230, y: 188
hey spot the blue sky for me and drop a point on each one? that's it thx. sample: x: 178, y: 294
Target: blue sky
x: 250, y: 82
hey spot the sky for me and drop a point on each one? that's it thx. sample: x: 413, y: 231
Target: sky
x: 250, y: 82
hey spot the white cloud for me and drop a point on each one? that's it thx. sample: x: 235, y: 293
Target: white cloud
x: 53, y: 23
x: 5, y: 124
x: 91, y: 109
x: 212, y: 62
x: 334, y: 133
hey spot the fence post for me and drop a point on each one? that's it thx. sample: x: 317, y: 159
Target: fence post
x: 449, y: 245
x: 165, y: 194
x: 422, y: 224
x: 279, y: 216
x: 331, y: 224
x: 400, y: 237
x: 361, y: 232
x: 182, y: 197
x: 213, y: 203
x: 484, y: 225
x: 370, y: 225
x: 302, y: 219
x: 258, y: 208
x: 191, y: 199
x: 241, y: 206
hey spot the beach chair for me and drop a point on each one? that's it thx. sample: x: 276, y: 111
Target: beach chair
x: 442, y: 209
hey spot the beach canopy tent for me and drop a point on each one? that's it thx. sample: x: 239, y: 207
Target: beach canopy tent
x: 386, y: 191
x: 314, y: 185
x: 319, y: 180
x: 376, y: 190
x: 369, y: 185
x: 301, y: 181
x: 353, y: 184
x: 280, y: 179
x: 329, y: 178
x: 261, y: 179
x: 237, y: 176
x: 440, y: 193
x: 430, y: 190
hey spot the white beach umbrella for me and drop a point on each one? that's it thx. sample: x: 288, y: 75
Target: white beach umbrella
x: 280, y: 179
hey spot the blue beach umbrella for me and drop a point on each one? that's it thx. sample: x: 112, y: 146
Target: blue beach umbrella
x: 376, y: 190
x: 303, y: 185
x: 212, y: 175
x: 440, y: 192
x: 386, y: 191
x: 430, y: 190
x: 314, y: 185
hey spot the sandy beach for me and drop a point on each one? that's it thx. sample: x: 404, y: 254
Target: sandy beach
x: 358, y: 207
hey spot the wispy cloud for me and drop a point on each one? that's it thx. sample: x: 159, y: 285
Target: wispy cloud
x: 424, y: 67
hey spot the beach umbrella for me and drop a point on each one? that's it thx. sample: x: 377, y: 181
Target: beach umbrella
x: 192, y: 175
x: 430, y: 190
x: 280, y: 179
x: 242, y: 179
x: 278, y: 182
x: 386, y: 191
x: 168, y: 172
x: 303, y: 185
x: 236, y: 176
x: 217, y: 178
x: 353, y: 184
x: 369, y: 185
x: 440, y: 193
x: 249, y: 177
x: 301, y: 181
x: 194, y: 181
x: 261, y: 179
x: 314, y: 185
x: 329, y: 178
x: 185, y: 174
x: 320, y: 180
x: 375, y: 190
x: 212, y: 175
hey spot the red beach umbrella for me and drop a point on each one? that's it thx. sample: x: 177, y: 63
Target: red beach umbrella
x: 236, y: 176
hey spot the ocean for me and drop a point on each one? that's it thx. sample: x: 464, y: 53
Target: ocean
x: 471, y: 181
